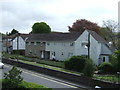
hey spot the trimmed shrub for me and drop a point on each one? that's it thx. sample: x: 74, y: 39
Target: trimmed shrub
x: 106, y: 67
x: 89, y: 68
x: 76, y: 63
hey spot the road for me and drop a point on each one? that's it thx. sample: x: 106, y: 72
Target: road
x: 48, y: 81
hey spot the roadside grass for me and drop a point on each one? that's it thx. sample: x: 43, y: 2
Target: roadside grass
x: 109, y: 78
x: 28, y: 85
x: 53, y: 63
x: 35, y: 86
x: 51, y: 67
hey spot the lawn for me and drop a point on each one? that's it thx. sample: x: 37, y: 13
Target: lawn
x: 109, y: 78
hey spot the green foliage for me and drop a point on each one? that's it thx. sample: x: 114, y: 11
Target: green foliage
x: 106, y: 67
x: 76, y: 63
x: 52, y: 63
x: 13, y: 32
x: 13, y: 78
x: 89, y: 68
x: 114, y: 62
x: 24, y: 85
x: 41, y: 27
x: 117, y: 54
x: 32, y: 86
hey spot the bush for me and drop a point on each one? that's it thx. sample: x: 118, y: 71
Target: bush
x: 76, y: 63
x: 12, y: 78
x: 114, y: 62
x: 89, y: 68
x: 106, y: 67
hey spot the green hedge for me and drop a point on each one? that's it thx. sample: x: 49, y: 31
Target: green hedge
x: 76, y: 63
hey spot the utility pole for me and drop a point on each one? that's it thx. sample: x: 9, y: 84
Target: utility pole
x: 17, y: 45
x: 88, y: 45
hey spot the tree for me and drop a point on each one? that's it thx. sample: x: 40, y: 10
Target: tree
x: 13, y: 78
x: 82, y: 24
x: 41, y: 27
x: 117, y: 53
x: 13, y: 32
x: 108, y: 31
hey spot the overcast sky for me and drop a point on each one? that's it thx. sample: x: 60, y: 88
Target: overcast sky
x: 58, y: 14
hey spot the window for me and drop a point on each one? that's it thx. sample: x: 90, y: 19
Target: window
x: 35, y: 52
x: 71, y: 44
x: 70, y: 54
x: 54, y: 53
x: 35, y: 43
x: 30, y: 52
x: 29, y: 43
x: 41, y: 44
x: 48, y: 44
x: 62, y: 53
x: 103, y: 59
x: 54, y: 43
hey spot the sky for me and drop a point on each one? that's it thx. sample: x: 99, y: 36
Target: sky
x: 58, y: 14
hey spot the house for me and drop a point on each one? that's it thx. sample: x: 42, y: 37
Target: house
x: 7, y: 43
x: 61, y: 46
x: 18, y: 43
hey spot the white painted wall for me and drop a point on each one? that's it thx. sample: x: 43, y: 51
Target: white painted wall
x: 60, y: 48
x: 96, y: 49
x: 21, y: 43
x: 0, y: 47
x: 105, y: 50
x: 79, y: 49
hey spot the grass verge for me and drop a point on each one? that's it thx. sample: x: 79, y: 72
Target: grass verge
x: 27, y: 85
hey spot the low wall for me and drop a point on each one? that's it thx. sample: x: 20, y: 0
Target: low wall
x: 64, y: 75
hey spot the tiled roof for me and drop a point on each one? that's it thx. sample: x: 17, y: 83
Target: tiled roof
x: 24, y: 36
x: 54, y: 37
x: 8, y: 37
x: 97, y: 37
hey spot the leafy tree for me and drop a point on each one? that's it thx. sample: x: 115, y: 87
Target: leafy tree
x: 114, y: 62
x: 13, y: 78
x: 13, y: 32
x: 41, y: 27
x: 108, y: 31
x: 82, y: 24
x: 117, y: 53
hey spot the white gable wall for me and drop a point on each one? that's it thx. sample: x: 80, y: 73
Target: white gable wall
x: 21, y: 43
x: 95, y: 50
x: 105, y: 49
x: 95, y: 47
x: 79, y: 48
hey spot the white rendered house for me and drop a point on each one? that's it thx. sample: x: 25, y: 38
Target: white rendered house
x: 64, y: 45
x: 18, y: 43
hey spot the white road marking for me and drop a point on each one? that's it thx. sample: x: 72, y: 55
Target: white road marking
x: 41, y: 76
